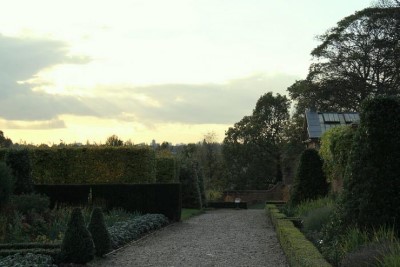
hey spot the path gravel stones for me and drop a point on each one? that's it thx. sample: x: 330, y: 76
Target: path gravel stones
x: 216, y: 238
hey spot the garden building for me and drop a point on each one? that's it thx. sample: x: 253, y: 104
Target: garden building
x: 316, y: 123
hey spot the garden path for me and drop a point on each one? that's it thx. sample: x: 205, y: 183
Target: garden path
x: 216, y: 238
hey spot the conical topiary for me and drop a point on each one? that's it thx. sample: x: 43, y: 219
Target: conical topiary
x: 100, y: 234
x: 77, y: 245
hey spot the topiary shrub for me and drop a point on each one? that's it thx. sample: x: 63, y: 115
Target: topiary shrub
x: 310, y: 182
x: 6, y: 184
x: 371, y: 187
x: 100, y: 234
x: 191, y: 195
x: 77, y: 245
x: 19, y: 162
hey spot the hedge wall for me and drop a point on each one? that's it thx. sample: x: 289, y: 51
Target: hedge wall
x: 298, y: 249
x: 3, y: 152
x: 145, y: 198
x: 166, y: 169
x: 93, y: 165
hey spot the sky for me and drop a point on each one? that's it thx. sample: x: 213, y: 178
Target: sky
x: 78, y: 71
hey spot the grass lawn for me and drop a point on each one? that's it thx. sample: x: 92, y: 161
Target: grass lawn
x: 188, y: 213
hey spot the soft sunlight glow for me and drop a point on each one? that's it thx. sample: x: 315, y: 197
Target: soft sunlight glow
x: 165, y: 70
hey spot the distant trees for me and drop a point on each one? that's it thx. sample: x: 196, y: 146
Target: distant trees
x: 356, y: 59
x: 4, y: 141
x: 114, y: 140
x: 252, y: 148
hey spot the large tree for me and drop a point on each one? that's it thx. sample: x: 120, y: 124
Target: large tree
x: 358, y: 58
x: 252, y: 147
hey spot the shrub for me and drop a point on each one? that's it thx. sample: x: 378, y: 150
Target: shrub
x: 366, y: 256
x: 99, y: 232
x: 165, y: 169
x: 191, y: 195
x: 308, y: 206
x: 310, y: 182
x: 19, y: 162
x: 27, y: 260
x: 30, y: 203
x: 6, y: 184
x: 335, y: 144
x: 126, y: 231
x: 77, y: 245
x: 370, y: 197
x: 315, y: 220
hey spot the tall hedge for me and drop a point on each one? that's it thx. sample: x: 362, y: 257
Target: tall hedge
x: 310, y: 182
x: 19, y: 162
x: 86, y: 165
x: 371, y: 195
x: 188, y: 176
x: 6, y: 184
x: 165, y: 169
x: 3, y: 152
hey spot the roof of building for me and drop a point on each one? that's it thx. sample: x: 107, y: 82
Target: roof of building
x: 319, y: 122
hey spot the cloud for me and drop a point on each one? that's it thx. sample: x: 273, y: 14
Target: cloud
x: 34, y: 125
x: 187, y: 103
x: 20, y: 60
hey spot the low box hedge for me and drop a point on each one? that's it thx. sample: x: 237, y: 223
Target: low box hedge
x: 227, y: 205
x: 298, y: 249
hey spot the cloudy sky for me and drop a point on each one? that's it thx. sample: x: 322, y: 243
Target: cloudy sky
x: 153, y: 69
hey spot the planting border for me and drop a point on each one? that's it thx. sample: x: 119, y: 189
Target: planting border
x: 298, y: 249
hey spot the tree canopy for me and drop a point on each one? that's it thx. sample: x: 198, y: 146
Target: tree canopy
x: 356, y: 59
x: 252, y: 147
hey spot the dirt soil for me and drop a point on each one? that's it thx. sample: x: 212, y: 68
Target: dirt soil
x: 216, y: 238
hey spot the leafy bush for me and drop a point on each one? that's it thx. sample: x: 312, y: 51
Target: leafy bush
x: 310, y: 182
x: 367, y: 255
x: 100, y: 235
x: 77, y: 246
x: 334, y: 150
x: 30, y: 203
x: 27, y: 260
x: 371, y: 187
x: 19, y: 162
x: 307, y: 206
x: 126, y: 231
x: 191, y: 195
x: 6, y: 184
x: 315, y: 221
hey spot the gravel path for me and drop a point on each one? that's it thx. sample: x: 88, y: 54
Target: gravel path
x: 216, y: 238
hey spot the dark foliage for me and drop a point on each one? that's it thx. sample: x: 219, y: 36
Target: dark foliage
x: 6, y: 183
x: 19, y: 162
x: 100, y: 235
x: 30, y: 203
x: 371, y: 187
x: 145, y: 198
x: 77, y: 245
x: 191, y: 195
x: 368, y: 255
x: 310, y: 182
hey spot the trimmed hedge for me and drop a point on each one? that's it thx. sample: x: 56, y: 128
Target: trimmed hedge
x: 20, y: 165
x: 299, y: 250
x: 166, y: 169
x: 89, y: 165
x: 227, y: 205
x: 28, y: 259
x: 145, y: 198
x: 53, y: 252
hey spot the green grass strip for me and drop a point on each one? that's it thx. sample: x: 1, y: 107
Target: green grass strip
x: 188, y: 213
x: 298, y: 249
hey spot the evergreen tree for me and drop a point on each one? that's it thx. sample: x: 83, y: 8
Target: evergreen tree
x: 310, y: 182
x: 100, y: 234
x: 77, y: 245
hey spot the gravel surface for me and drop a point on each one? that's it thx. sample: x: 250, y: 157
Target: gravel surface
x: 216, y: 238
